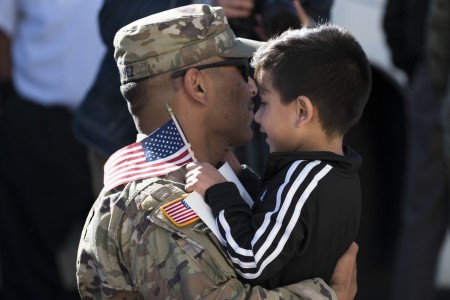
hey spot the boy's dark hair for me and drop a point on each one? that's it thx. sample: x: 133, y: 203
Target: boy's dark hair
x: 324, y: 63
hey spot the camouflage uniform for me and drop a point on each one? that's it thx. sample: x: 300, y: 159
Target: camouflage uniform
x: 129, y: 249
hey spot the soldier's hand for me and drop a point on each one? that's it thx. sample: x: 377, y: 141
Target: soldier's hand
x: 343, y: 281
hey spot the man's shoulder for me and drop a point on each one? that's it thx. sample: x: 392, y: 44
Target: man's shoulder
x: 118, y: 222
x: 122, y: 210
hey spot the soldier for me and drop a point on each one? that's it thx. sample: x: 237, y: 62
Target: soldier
x: 140, y: 240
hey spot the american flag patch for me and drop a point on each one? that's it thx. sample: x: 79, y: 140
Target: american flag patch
x: 179, y: 212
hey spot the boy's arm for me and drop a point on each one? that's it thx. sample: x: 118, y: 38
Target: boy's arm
x: 253, y: 237
x: 238, y: 228
x: 249, y: 178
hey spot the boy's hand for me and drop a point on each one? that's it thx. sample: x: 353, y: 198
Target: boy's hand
x: 201, y: 176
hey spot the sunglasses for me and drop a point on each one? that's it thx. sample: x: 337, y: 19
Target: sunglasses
x: 241, y: 64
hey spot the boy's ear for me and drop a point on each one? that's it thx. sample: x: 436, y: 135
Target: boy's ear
x: 194, y: 85
x: 305, y: 110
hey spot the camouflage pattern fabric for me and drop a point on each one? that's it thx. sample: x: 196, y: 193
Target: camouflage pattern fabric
x: 130, y: 250
x: 176, y: 38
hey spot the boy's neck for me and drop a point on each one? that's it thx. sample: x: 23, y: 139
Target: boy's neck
x: 330, y: 145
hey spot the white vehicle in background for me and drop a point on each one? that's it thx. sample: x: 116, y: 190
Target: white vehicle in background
x: 364, y: 19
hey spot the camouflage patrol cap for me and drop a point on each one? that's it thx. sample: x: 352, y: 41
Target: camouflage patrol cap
x: 176, y: 38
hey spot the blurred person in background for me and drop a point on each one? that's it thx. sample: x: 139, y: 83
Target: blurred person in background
x: 425, y: 211
x: 437, y: 54
x: 49, y: 53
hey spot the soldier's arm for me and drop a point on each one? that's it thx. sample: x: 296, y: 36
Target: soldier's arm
x: 343, y: 282
x: 173, y: 267
x: 161, y: 260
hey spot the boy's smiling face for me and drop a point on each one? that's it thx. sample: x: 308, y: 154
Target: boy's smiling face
x: 277, y: 120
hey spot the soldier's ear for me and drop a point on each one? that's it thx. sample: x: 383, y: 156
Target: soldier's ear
x: 194, y: 85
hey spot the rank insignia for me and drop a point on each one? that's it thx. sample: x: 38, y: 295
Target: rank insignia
x: 179, y: 212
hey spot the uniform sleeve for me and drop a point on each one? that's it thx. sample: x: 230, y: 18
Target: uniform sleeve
x: 100, y: 262
x: 168, y: 266
x: 261, y: 242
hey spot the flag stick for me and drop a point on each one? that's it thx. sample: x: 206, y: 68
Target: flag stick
x: 188, y: 145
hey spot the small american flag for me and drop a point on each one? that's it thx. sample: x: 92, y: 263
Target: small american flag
x: 179, y: 212
x: 162, y: 152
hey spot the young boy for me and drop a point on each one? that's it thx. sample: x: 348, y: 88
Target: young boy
x: 314, y: 84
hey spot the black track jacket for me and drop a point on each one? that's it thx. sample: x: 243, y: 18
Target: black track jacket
x: 304, y: 217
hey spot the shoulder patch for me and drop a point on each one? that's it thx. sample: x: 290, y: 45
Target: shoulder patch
x: 179, y: 212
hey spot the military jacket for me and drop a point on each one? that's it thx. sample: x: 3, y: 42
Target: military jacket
x: 129, y: 249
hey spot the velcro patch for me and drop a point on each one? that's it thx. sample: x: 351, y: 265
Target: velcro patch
x: 179, y: 212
